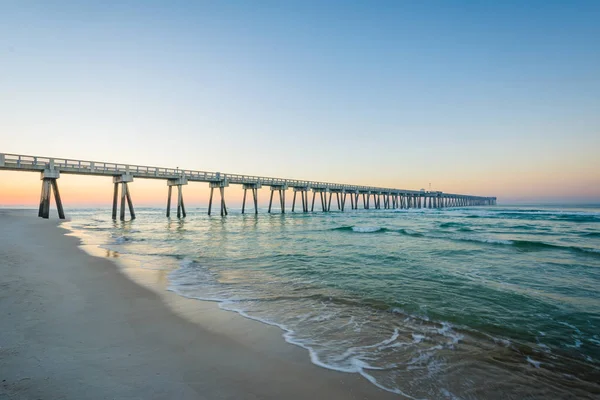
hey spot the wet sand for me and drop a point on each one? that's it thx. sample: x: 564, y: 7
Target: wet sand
x: 76, y: 326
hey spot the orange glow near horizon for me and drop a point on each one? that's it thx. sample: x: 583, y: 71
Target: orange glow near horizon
x: 23, y: 189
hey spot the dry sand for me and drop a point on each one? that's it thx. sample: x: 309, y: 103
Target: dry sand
x: 73, y: 326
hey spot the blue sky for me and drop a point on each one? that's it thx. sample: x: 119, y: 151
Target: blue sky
x: 492, y: 98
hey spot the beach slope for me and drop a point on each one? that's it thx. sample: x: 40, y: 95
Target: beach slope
x: 72, y: 326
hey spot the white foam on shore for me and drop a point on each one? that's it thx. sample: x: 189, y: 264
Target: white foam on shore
x: 418, y: 338
x: 449, y: 394
x: 351, y: 360
x: 357, y: 365
x: 121, y: 240
x: 534, y: 362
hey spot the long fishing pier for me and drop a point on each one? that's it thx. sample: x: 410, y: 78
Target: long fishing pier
x: 123, y: 174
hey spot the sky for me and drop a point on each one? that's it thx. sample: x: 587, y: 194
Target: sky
x: 488, y: 98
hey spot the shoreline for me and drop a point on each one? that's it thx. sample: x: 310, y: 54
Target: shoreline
x: 75, y: 328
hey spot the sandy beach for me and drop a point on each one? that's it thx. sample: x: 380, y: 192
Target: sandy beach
x: 74, y: 326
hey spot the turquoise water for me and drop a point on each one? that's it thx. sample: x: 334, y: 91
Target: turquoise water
x: 496, y: 302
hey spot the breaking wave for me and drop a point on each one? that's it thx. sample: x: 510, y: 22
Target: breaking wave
x: 521, y: 245
x: 361, y: 229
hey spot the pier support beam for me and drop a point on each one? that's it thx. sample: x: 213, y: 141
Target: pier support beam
x: 281, y: 190
x: 254, y: 188
x: 221, y: 185
x: 305, y: 201
x: 179, y: 182
x: 323, y: 197
x: 343, y: 196
x: 49, y: 184
x: 122, y: 180
x: 339, y: 199
x: 366, y: 197
x: 303, y: 190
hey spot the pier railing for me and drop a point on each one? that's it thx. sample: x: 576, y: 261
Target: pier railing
x: 85, y: 167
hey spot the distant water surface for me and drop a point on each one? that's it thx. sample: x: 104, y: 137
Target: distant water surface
x: 497, y: 302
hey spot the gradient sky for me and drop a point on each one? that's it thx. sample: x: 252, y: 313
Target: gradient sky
x: 489, y: 98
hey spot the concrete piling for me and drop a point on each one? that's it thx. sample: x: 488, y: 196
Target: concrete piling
x: 122, y: 180
x: 49, y: 184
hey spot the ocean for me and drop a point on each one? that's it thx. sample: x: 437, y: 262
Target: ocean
x: 461, y: 303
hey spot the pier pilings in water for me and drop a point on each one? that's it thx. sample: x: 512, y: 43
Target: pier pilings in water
x: 122, y: 180
x: 281, y: 190
x: 254, y: 189
x: 179, y: 183
x: 323, y: 197
x: 303, y: 190
x: 221, y: 185
x: 49, y: 184
x: 123, y: 174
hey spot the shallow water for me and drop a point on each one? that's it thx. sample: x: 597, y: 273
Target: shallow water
x: 496, y: 302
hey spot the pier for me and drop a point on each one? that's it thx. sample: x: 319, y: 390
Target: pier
x: 122, y: 175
